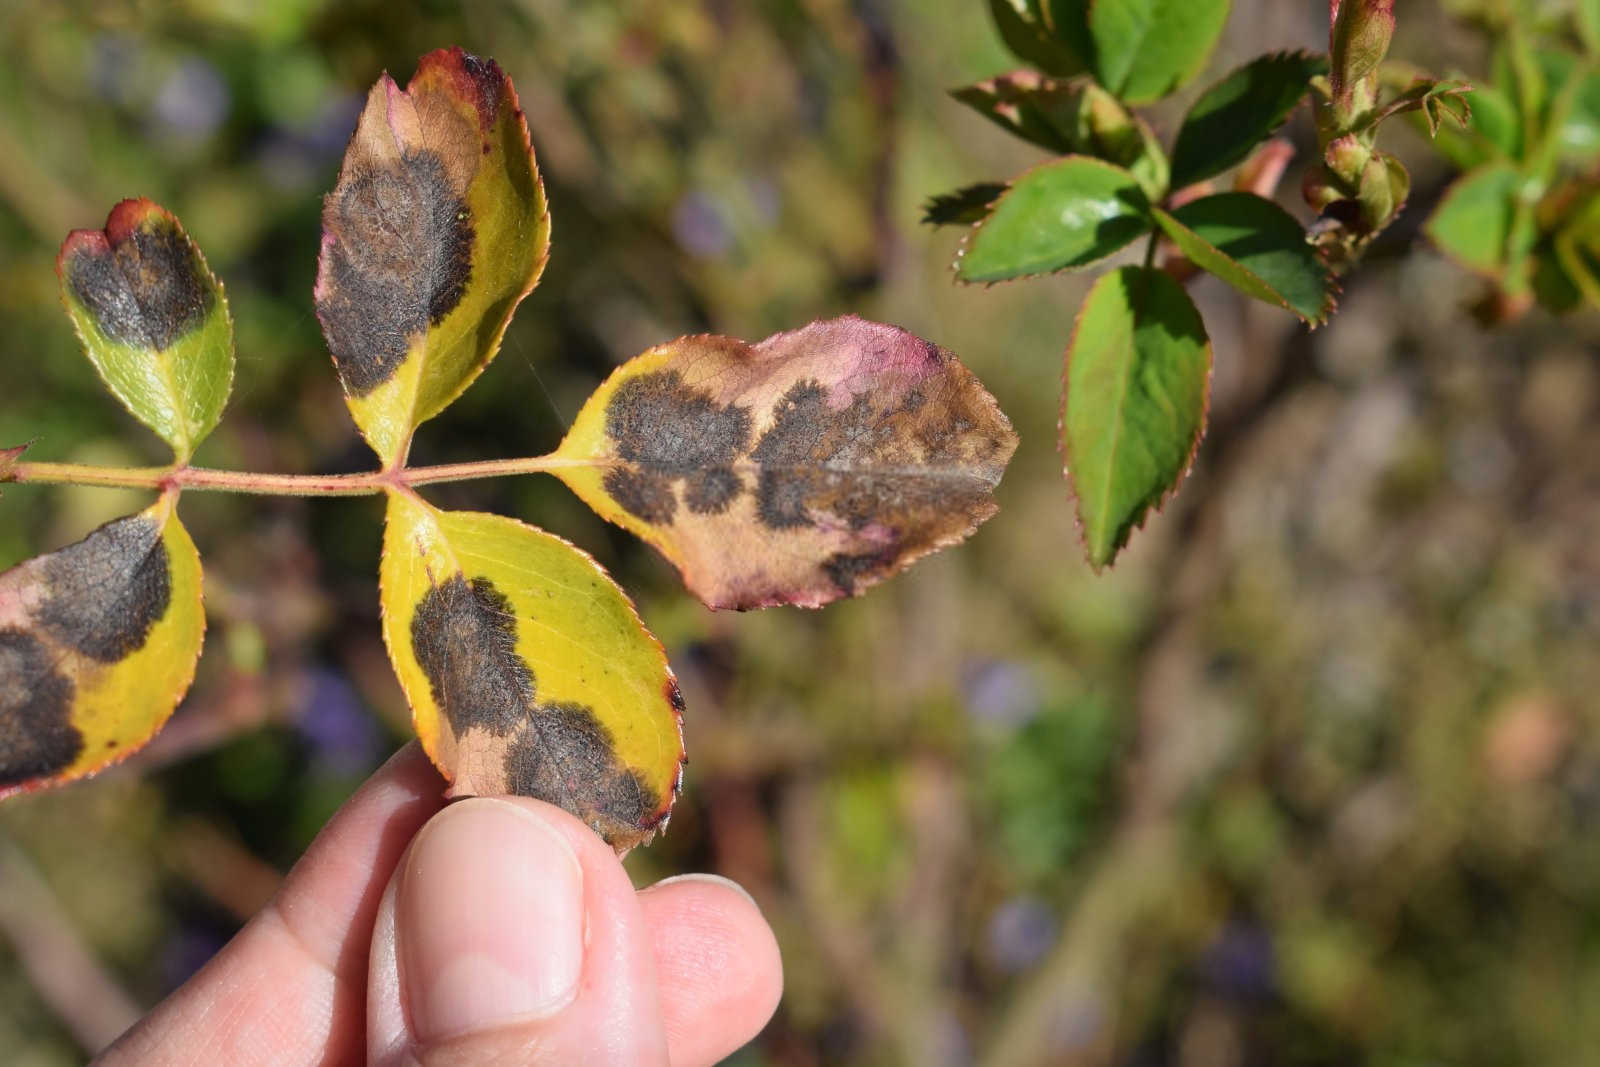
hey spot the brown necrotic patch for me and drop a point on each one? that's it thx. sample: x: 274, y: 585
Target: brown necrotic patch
x: 37, y: 737
x: 915, y: 468
x: 102, y: 596
x: 399, y: 259
x: 568, y: 757
x: 667, y: 431
x: 147, y: 290
x: 465, y: 638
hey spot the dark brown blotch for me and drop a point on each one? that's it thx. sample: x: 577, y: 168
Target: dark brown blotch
x: 37, y: 738
x: 102, y: 596
x: 464, y: 635
x: 567, y: 756
x: 147, y: 290
x: 399, y: 260
x: 667, y: 432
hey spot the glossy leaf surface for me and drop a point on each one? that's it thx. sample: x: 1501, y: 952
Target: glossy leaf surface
x: 1058, y: 216
x: 98, y: 643
x: 528, y: 670
x: 1255, y: 246
x: 435, y: 231
x: 1138, y: 380
x: 153, y: 319
x: 1236, y: 114
x: 1145, y: 49
x: 794, y: 471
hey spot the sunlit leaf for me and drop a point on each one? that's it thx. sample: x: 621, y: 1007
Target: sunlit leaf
x: 1058, y: 216
x: 1145, y: 49
x: 1022, y: 28
x: 1138, y: 379
x: 98, y: 643
x: 528, y: 670
x: 1472, y: 223
x: 962, y: 207
x: 1073, y: 117
x: 1256, y: 247
x: 436, y: 230
x: 153, y: 320
x: 1236, y: 114
x: 794, y: 471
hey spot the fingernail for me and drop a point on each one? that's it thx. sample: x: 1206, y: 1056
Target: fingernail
x: 701, y: 878
x: 489, y: 920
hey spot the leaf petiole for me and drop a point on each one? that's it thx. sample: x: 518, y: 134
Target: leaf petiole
x: 366, y: 483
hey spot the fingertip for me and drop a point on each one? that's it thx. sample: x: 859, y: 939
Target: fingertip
x: 718, y: 964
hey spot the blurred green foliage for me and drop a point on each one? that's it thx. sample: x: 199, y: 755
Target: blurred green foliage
x: 1312, y: 777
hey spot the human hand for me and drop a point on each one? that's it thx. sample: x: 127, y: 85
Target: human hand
x: 497, y: 930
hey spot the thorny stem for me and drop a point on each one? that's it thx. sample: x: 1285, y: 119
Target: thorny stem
x: 366, y: 483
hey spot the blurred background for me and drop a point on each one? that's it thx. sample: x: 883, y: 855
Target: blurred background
x: 1313, y: 777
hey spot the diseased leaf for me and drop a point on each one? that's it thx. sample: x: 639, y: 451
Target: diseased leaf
x: 1145, y: 49
x: 794, y: 471
x: 1236, y: 114
x: 98, y: 643
x: 1472, y: 223
x: 153, y: 320
x: 1138, y: 379
x: 435, y: 232
x: 528, y: 670
x: 1074, y: 117
x: 1022, y: 28
x: 1256, y: 247
x: 962, y: 207
x: 1058, y: 216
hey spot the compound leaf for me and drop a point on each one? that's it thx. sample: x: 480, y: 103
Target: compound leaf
x: 1256, y: 247
x: 1058, y: 216
x: 1472, y: 224
x: 153, y: 320
x: 528, y: 670
x: 436, y: 230
x: 1236, y: 114
x: 1145, y: 49
x: 98, y: 643
x: 794, y: 471
x: 1138, y: 379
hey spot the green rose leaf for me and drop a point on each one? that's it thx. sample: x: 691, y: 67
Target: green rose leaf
x: 1073, y: 117
x: 1138, y: 380
x: 1236, y: 114
x: 1022, y: 28
x: 1472, y: 223
x: 153, y: 319
x: 1256, y: 247
x: 1146, y: 49
x: 962, y: 207
x: 1058, y: 216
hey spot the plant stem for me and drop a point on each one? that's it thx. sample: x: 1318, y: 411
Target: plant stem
x: 365, y: 483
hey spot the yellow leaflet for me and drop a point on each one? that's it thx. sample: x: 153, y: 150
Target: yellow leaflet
x: 98, y: 643
x: 528, y: 670
x: 436, y: 230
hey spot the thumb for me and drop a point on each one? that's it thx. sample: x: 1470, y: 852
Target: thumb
x: 511, y: 934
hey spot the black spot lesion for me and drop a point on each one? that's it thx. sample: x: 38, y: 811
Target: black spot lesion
x: 400, y: 260
x: 147, y: 290
x: 37, y: 738
x: 666, y: 432
x: 464, y: 635
x: 102, y: 596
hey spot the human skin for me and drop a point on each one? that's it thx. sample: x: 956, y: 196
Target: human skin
x: 492, y: 930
